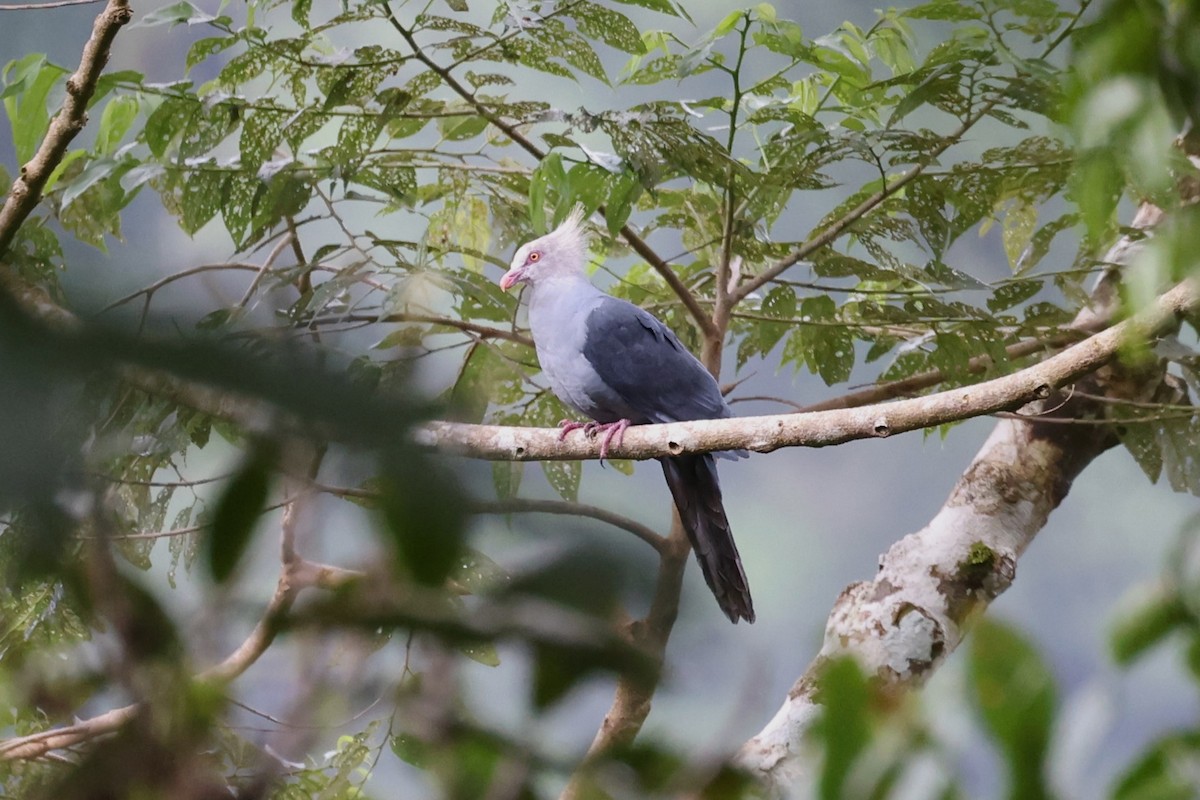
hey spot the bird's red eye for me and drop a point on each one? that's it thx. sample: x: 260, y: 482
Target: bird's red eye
x: 534, y: 256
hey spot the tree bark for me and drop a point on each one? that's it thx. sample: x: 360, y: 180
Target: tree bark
x: 903, y: 624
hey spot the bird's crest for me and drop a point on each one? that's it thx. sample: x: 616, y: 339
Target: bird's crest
x: 571, y: 229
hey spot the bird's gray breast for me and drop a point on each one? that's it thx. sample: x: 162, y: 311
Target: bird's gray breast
x: 558, y: 322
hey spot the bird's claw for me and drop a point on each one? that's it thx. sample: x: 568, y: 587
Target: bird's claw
x: 569, y: 425
x: 611, y: 430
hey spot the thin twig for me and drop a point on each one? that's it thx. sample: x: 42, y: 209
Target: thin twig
x: 839, y: 226
x: 483, y: 331
x: 52, y: 4
x: 276, y: 251
x: 521, y: 505
x: 639, y: 245
x: 913, y: 384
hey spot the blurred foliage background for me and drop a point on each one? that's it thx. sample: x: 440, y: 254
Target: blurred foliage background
x: 278, y: 239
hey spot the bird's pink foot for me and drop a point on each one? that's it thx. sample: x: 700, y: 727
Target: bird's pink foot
x: 569, y: 425
x: 612, y: 430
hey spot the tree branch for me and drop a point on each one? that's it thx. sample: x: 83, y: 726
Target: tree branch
x: 52, y: 4
x: 905, y: 622
x: 521, y: 505
x: 286, y: 589
x: 483, y: 331
x: 907, y: 387
x: 631, y: 701
x: 902, y: 625
x: 838, y: 226
x: 26, y: 190
x: 296, y: 574
x: 639, y: 245
x: 818, y: 429
x: 36, y: 745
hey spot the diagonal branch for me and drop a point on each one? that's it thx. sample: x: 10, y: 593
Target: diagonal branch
x: 483, y: 331
x: 295, y: 575
x: 631, y: 701
x: 639, y: 245
x: 839, y: 226
x: 904, y: 623
x: 907, y: 387
x: 26, y: 190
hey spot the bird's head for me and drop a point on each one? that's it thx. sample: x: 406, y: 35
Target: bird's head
x: 560, y: 252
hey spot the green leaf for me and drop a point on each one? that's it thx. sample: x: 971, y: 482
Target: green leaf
x: 262, y: 131
x: 844, y: 727
x: 826, y: 349
x: 1163, y: 771
x: 176, y: 14
x: 506, y: 477
x: 203, y: 197
x: 951, y: 10
x: 458, y: 129
x: 662, y: 6
x: 1012, y: 293
x: 548, y: 175
x: 587, y: 184
x: 204, y: 49
x: 1146, y: 620
x: 556, y: 670
x: 564, y: 43
x: 244, y: 67
x: 611, y: 27
x: 481, y: 652
x: 167, y: 123
x: 96, y: 171
x: 535, y: 55
x: 780, y: 302
x: 399, y: 182
x: 483, y: 370
x: 237, y: 513
x: 1097, y: 187
x: 1180, y: 441
x: 659, y: 69
x: 476, y: 573
x: 28, y: 83
x: 623, y: 191
x: 119, y: 115
x: 1020, y: 221
x: 286, y: 196
x: 300, y: 12
x: 564, y: 477
x: 425, y: 516
x: 1014, y: 693
x: 237, y: 212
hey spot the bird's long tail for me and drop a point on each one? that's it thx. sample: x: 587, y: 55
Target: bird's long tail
x: 697, y: 493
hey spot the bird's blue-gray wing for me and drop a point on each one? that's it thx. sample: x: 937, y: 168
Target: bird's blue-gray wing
x: 644, y: 364
x: 648, y: 375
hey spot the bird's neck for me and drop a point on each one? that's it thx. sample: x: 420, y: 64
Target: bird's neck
x: 555, y: 300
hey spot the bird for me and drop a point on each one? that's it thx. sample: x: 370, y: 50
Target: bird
x: 618, y: 365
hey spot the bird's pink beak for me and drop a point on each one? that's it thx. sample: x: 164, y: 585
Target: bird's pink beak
x: 512, y: 277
